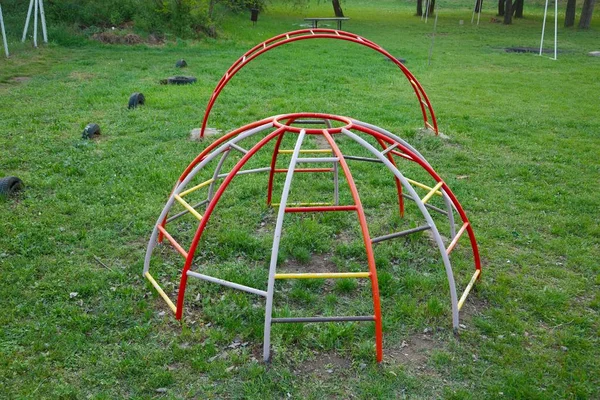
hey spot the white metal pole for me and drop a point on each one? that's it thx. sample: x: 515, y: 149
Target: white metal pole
x: 427, y: 11
x: 479, y: 15
x: 474, y: 8
x: 432, y: 39
x: 35, y: 24
x: 555, y: 27
x: 43, y: 18
x: 3, y: 33
x: 27, y: 20
x: 543, y: 27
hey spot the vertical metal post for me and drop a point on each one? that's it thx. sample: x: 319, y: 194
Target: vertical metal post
x: 35, y: 23
x: 543, y: 27
x: 432, y: 39
x: 43, y: 18
x: 555, y: 27
x: 27, y: 20
x: 336, y: 184
x: 3, y: 33
x: 275, y: 251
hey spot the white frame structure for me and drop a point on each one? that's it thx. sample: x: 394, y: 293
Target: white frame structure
x: 38, y: 9
x: 3, y: 33
x: 555, y: 28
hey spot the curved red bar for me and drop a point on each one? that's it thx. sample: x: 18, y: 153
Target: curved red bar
x: 316, y: 33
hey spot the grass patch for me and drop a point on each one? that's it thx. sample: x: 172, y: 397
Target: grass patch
x: 78, y: 319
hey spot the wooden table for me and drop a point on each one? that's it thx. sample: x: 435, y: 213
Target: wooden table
x: 339, y: 20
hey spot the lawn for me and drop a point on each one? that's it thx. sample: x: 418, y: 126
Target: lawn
x: 521, y: 146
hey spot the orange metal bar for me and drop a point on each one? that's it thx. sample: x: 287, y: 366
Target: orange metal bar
x: 368, y: 246
x: 172, y: 241
x: 455, y: 240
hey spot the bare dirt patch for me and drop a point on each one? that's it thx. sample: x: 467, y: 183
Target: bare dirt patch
x: 323, y: 364
x: 318, y: 263
x: 19, y: 79
x: 81, y: 76
x: 413, y: 352
x: 114, y: 38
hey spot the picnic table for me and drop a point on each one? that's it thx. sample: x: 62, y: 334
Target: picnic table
x: 339, y: 20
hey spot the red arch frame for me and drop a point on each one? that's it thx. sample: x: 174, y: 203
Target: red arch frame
x: 316, y: 33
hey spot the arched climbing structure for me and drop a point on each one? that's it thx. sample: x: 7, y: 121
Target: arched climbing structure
x: 305, y: 34
x: 242, y: 145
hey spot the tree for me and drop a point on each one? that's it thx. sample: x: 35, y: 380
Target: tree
x: 517, y: 7
x: 501, y: 8
x: 570, y: 13
x: 508, y: 12
x: 420, y: 7
x: 586, y: 14
x: 337, y: 8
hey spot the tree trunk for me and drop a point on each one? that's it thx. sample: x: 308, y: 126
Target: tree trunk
x: 570, y: 13
x: 337, y: 8
x: 518, y: 8
x: 432, y: 7
x: 586, y: 14
x: 478, y: 6
x: 508, y: 12
x: 501, y: 8
x: 419, y: 8
x: 211, y: 8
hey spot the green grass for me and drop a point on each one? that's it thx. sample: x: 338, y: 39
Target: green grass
x: 522, y: 158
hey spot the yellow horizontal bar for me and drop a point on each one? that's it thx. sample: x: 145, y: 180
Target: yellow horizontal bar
x: 432, y: 192
x: 324, y: 275
x: 422, y: 186
x: 161, y: 292
x: 468, y: 289
x: 188, y: 207
x: 197, y: 187
x: 303, y: 204
x: 306, y: 151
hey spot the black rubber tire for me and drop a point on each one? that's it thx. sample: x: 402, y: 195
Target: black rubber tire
x: 181, y: 80
x: 180, y: 64
x: 90, y: 131
x: 10, y: 185
x: 136, y: 99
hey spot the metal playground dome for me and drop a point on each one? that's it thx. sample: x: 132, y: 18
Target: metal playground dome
x: 200, y: 188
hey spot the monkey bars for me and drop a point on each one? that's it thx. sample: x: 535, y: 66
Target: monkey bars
x: 305, y: 34
x: 241, y: 145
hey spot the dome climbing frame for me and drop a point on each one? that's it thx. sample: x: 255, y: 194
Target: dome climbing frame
x: 245, y: 142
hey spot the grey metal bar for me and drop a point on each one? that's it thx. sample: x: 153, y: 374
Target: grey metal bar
x: 247, y: 171
x: 228, y: 284
x: 238, y: 148
x: 275, y: 249
x: 180, y: 185
x: 336, y: 184
x: 211, y: 188
x: 27, y: 20
x: 362, y: 159
x: 392, y: 147
x: 322, y: 319
x: 434, y: 208
x: 311, y: 121
x: 450, y: 214
x: 317, y: 160
x: 423, y: 209
x: 174, y: 217
x: 400, y: 234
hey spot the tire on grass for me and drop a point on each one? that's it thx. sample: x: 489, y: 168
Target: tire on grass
x: 181, y: 80
x: 10, y: 185
x: 136, y: 99
x: 90, y: 131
